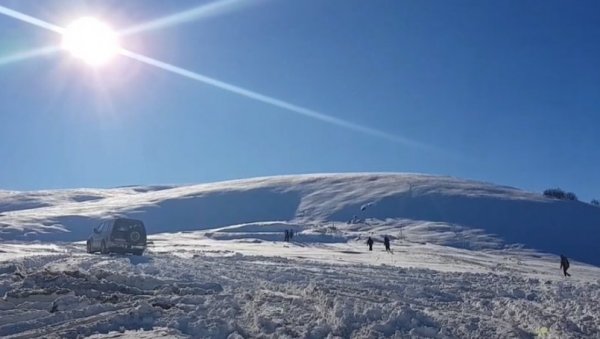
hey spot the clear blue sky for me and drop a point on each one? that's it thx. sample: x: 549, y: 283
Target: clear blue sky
x: 501, y: 91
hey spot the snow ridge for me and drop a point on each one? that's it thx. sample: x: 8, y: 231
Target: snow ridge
x: 509, y: 214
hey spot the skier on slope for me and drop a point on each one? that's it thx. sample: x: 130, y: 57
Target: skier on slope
x: 564, y: 264
x: 370, y: 243
x: 386, y: 242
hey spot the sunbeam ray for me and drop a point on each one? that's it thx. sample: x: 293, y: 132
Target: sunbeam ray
x: 275, y: 102
x: 212, y: 9
x: 203, y: 11
x: 20, y: 56
x: 30, y: 19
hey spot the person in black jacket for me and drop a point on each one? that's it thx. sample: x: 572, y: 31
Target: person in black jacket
x: 370, y: 243
x: 386, y: 242
x: 564, y: 264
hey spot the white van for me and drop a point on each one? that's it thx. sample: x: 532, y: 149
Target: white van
x: 118, y: 235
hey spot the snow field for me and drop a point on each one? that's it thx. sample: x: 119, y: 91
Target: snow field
x: 201, y: 292
x: 469, y: 260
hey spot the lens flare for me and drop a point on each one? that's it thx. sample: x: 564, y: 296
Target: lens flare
x: 30, y: 20
x: 275, y: 102
x: 203, y: 11
x: 25, y: 55
x: 91, y: 40
x: 95, y: 43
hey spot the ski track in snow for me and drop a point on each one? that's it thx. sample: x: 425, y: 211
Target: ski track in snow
x: 189, y: 285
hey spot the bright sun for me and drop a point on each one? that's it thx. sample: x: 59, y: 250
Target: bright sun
x: 91, y: 40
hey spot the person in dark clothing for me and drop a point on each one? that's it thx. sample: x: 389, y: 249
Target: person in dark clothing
x: 286, y: 237
x: 386, y: 242
x: 564, y: 264
x: 370, y: 243
x: 291, y: 234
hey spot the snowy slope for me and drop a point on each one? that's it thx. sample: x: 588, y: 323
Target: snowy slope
x: 216, y: 265
x: 192, y: 286
x: 472, y: 211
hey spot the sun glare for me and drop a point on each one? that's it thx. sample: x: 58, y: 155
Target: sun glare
x: 91, y: 40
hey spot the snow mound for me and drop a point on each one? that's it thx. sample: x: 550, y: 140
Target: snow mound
x: 436, y: 209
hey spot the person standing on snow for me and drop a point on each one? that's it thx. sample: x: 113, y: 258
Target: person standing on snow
x: 370, y: 243
x: 564, y: 264
x: 286, y: 237
x: 291, y: 234
x: 386, y: 242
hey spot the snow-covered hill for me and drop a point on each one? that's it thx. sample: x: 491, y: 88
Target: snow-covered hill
x: 217, y: 265
x: 437, y: 209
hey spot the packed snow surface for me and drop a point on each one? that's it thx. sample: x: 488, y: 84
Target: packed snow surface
x: 468, y: 260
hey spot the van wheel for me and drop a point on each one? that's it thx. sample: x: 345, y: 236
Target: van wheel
x: 89, y: 247
x: 103, y: 248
